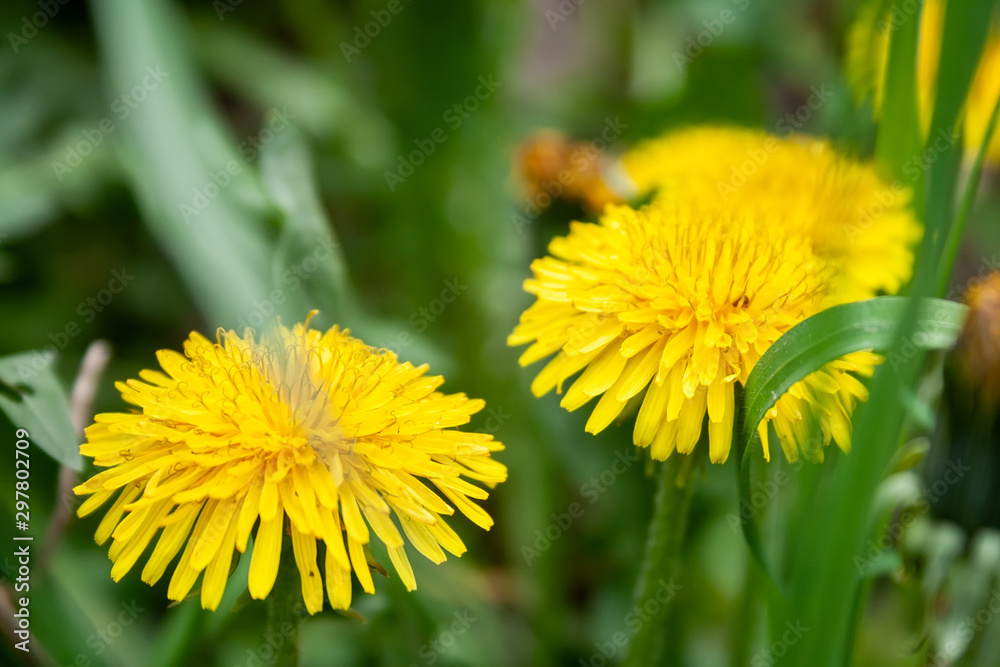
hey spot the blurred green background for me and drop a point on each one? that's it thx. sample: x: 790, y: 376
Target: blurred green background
x: 234, y: 160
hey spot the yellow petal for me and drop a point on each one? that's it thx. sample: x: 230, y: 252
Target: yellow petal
x: 402, y: 564
x: 720, y: 432
x: 213, y: 584
x: 360, y: 563
x: 338, y: 584
x: 266, y: 555
x: 304, y: 548
x: 689, y: 422
x: 651, y: 414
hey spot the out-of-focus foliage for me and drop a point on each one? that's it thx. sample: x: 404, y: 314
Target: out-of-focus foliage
x: 168, y: 167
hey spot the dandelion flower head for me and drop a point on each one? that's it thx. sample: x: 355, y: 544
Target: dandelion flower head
x: 674, y: 300
x: 857, y: 221
x: 314, y: 426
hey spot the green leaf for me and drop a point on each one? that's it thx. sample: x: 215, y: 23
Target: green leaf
x: 822, y: 338
x: 33, y: 399
x: 821, y: 567
x: 966, y: 25
x: 288, y: 177
x: 200, y: 198
x: 954, y: 237
x: 899, y: 133
x: 834, y: 332
x: 317, y: 96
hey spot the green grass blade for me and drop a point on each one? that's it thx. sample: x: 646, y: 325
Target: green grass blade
x: 751, y: 533
x: 954, y: 238
x: 307, y: 245
x: 324, y: 105
x: 965, y: 28
x: 199, y: 198
x: 822, y: 338
x: 823, y: 569
x: 834, y: 332
x: 899, y: 133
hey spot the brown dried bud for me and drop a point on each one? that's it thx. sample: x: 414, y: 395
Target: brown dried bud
x: 551, y: 166
x: 977, y: 352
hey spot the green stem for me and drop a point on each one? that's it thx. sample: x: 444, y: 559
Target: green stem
x: 285, y: 609
x: 661, y: 564
x: 750, y: 608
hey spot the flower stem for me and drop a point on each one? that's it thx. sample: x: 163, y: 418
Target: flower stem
x: 284, y: 611
x: 744, y: 626
x: 661, y: 564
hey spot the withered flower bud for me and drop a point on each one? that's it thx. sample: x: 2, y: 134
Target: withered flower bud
x: 963, y: 470
x: 977, y: 353
x: 551, y: 166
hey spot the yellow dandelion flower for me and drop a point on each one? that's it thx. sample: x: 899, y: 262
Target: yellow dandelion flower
x: 868, y: 57
x: 857, y: 221
x: 671, y: 299
x: 846, y: 229
x: 818, y: 409
x: 316, y: 426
